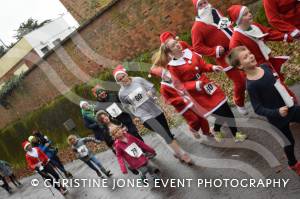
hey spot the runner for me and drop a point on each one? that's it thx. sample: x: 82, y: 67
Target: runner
x: 51, y: 154
x: 130, y: 149
x: 137, y: 95
x: 269, y: 98
x: 181, y: 102
x: 109, y: 101
x: 284, y: 15
x: 83, y: 153
x: 187, y: 69
x: 6, y: 171
x: 209, y: 21
x: 38, y: 161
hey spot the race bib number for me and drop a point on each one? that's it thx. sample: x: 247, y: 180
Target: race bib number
x: 138, y: 97
x: 223, y: 23
x: 134, y: 150
x: 83, y: 151
x: 114, y: 110
x: 210, y: 88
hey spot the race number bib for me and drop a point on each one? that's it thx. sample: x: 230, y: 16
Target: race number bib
x: 114, y: 110
x: 138, y: 97
x: 134, y: 150
x: 210, y: 88
x: 83, y: 151
x: 223, y: 23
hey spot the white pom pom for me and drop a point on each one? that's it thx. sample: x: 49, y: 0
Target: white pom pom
x: 149, y: 76
x: 177, y: 38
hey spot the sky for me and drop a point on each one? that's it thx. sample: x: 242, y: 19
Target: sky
x: 14, y: 12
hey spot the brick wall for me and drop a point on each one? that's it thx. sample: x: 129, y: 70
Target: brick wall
x: 125, y: 30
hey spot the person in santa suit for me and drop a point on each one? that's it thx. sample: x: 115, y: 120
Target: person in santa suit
x: 38, y: 161
x: 187, y: 69
x: 254, y: 35
x: 137, y: 96
x: 209, y: 21
x: 181, y: 102
x: 284, y: 15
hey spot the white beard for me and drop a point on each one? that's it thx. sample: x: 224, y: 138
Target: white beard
x: 204, y: 14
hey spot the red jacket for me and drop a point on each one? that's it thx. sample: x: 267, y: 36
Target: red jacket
x: 241, y: 39
x: 175, y: 97
x: 33, y: 161
x: 283, y: 15
x: 206, y: 44
x: 122, y: 155
x: 188, y: 77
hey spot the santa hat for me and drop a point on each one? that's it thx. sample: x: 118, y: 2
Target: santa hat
x: 97, y: 89
x: 236, y: 12
x: 157, y: 72
x: 82, y: 103
x: 119, y: 70
x: 25, y: 144
x: 165, y: 36
x: 195, y: 2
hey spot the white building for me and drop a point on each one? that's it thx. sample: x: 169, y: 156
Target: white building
x: 48, y: 36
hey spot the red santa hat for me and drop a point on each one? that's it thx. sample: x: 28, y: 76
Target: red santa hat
x: 157, y: 72
x: 236, y: 12
x: 25, y: 144
x: 119, y: 70
x: 196, y: 2
x: 165, y: 36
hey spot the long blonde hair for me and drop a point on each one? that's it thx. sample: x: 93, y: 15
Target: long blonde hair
x: 161, y: 58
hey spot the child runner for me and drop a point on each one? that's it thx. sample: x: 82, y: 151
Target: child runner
x: 137, y: 95
x: 269, y: 98
x: 6, y: 171
x: 187, y: 69
x: 51, y: 153
x: 38, y: 161
x: 130, y: 149
x: 83, y: 153
x: 254, y: 35
x: 181, y: 102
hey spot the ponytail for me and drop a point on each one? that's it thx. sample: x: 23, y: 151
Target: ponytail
x: 161, y: 58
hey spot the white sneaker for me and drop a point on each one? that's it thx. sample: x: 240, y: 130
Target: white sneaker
x: 242, y: 110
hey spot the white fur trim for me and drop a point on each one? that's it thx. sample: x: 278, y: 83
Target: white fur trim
x: 228, y: 68
x: 186, y: 108
x: 241, y: 15
x: 119, y: 72
x: 188, y: 54
x: 295, y: 32
x: 198, y: 85
x: 285, y: 37
x: 218, y: 51
x: 82, y: 103
x: 214, y: 109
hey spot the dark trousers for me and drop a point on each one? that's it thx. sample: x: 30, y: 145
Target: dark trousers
x: 57, y: 163
x: 5, y: 184
x: 160, y: 125
x: 224, y: 115
x: 49, y: 173
x: 286, y: 131
x: 14, y: 180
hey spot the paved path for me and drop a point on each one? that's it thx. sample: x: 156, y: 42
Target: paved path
x: 255, y: 158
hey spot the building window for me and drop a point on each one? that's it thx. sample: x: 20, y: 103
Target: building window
x: 56, y: 42
x: 45, y: 49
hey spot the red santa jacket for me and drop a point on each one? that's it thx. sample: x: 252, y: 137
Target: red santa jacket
x: 33, y: 160
x: 206, y: 44
x: 188, y: 76
x: 175, y: 97
x: 134, y: 162
x: 262, y: 55
x: 283, y: 15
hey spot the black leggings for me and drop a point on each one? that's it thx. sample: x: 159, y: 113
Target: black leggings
x: 286, y: 131
x: 14, y: 180
x: 224, y: 115
x: 5, y: 184
x: 57, y: 163
x: 49, y: 173
x: 160, y: 125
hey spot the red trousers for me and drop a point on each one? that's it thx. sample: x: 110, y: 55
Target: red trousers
x: 196, y: 122
x: 239, y: 86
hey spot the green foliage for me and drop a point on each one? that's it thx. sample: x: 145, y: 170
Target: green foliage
x: 9, y: 86
x: 260, y: 16
x: 28, y: 26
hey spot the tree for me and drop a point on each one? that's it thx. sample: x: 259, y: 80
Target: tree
x: 2, y: 51
x: 28, y: 26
